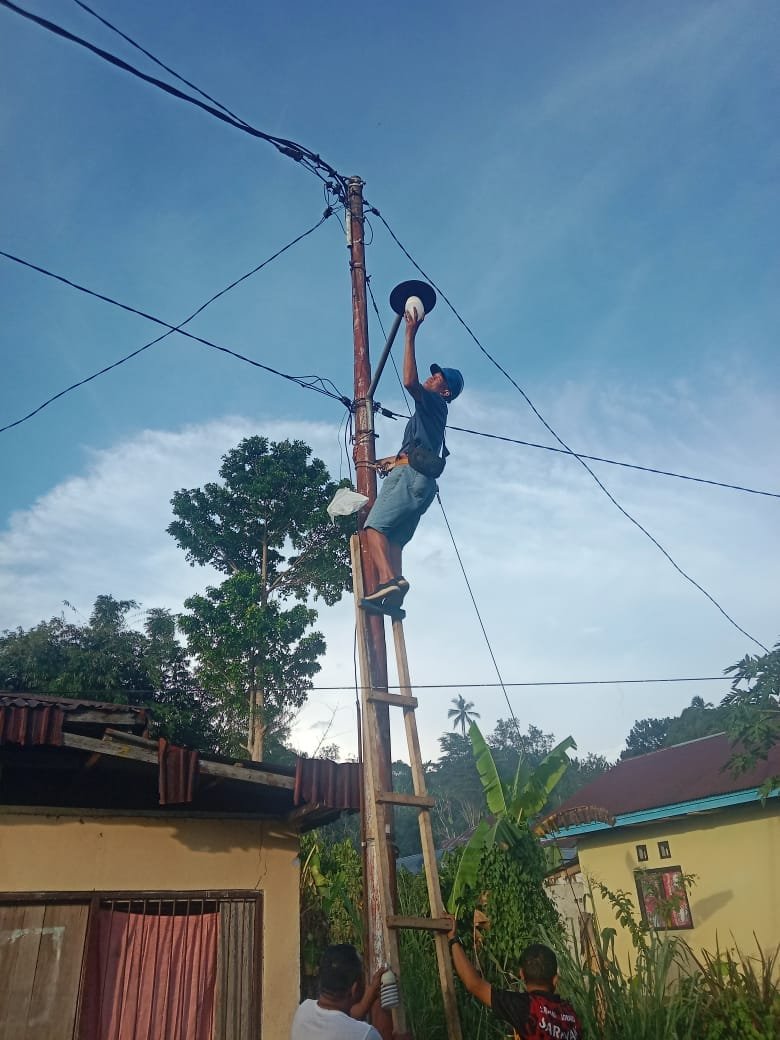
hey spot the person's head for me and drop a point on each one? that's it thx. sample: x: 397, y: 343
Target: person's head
x: 448, y: 382
x: 539, y: 967
x: 341, y: 975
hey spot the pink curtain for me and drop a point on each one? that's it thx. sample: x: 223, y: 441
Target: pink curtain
x: 151, y: 977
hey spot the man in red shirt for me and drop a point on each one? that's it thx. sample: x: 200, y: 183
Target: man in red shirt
x: 538, y: 1013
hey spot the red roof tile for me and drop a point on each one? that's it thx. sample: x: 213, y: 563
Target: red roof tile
x: 676, y: 774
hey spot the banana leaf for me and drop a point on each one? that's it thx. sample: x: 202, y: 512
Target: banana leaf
x: 523, y: 774
x: 468, y: 869
x: 532, y: 797
x: 488, y: 774
x: 509, y: 833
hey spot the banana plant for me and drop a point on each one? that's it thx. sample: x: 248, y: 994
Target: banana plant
x: 510, y: 807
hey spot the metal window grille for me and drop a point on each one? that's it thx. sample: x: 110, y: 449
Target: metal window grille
x: 131, y: 966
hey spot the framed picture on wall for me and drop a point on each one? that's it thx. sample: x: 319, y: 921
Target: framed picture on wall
x: 663, y: 899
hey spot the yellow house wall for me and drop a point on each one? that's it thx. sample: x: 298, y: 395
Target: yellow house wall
x: 119, y: 853
x: 735, y: 855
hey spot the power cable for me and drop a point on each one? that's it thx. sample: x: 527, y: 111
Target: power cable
x: 479, y: 616
x: 517, y: 685
x: 304, y: 156
x: 162, y: 65
x: 316, y: 383
x: 444, y: 686
x: 389, y: 414
x: 615, y: 462
x: 549, y: 428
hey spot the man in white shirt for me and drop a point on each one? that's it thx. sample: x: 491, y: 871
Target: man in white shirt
x: 335, y: 1015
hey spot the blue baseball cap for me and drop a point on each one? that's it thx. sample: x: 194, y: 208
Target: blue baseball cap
x: 453, y: 377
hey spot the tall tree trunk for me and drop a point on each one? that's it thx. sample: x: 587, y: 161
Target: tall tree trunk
x: 257, y: 726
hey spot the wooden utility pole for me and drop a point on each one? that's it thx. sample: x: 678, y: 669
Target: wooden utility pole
x: 365, y: 457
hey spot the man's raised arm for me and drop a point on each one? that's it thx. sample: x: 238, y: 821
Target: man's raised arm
x: 411, y: 378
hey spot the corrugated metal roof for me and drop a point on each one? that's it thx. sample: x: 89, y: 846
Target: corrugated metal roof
x: 333, y: 785
x: 670, y: 776
x: 34, y: 700
x: 31, y: 725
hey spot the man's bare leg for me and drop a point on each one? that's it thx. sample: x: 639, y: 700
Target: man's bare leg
x: 384, y: 554
x: 395, y: 559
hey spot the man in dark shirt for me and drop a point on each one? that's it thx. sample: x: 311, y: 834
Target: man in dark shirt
x: 538, y: 1013
x: 407, y: 491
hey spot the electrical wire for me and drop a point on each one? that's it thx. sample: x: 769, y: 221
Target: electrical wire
x: 162, y: 65
x: 298, y: 153
x: 490, y: 685
x: 316, y: 383
x: 523, y: 685
x: 389, y: 414
x: 564, y: 445
x: 479, y: 616
x: 615, y: 462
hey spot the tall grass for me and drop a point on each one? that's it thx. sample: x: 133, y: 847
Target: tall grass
x: 740, y: 995
x: 643, y: 1001
x: 666, y: 992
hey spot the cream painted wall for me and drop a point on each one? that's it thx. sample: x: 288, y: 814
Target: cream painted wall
x: 735, y: 854
x: 49, y: 853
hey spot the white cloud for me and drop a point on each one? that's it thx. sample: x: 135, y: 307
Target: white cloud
x: 568, y: 589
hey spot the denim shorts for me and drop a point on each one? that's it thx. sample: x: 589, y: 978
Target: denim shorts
x: 404, y: 497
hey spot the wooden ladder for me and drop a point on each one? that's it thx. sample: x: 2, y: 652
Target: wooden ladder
x: 376, y: 799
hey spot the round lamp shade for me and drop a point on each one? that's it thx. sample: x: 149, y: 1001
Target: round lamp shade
x: 402, y: 292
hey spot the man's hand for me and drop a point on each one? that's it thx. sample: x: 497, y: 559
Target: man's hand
x: 413, y: 322
x: 370, y: 995
x: 465, y: 970
x: 372, y: 989
x: 453, y: 929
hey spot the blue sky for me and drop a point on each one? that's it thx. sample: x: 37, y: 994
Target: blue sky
x: 595, y: 186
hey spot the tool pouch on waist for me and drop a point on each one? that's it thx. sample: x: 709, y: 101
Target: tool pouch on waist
x: 426, y: 461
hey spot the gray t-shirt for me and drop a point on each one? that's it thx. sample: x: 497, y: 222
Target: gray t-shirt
x: 312, y: 1022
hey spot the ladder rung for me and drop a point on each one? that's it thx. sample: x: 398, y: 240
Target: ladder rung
x: 420, y: 801
x: 400, y: 699
x: 428, y: 924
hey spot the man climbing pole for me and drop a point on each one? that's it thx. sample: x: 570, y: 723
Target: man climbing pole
x: 410, y: 476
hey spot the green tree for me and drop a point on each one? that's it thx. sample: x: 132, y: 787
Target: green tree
x: 753, y: 711
x: 107, y: 659
x: 699, y: 719
x: 646, y: 735
x: 580, y: 772
x: 264, y: 525
x: 462, y: 714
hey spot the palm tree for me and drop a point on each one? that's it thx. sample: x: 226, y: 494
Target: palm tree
x: 462, y: 714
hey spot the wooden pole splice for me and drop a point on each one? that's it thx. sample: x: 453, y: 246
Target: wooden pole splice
x: 397, y: 699
x: 423, y: 924
x: 418, y: 801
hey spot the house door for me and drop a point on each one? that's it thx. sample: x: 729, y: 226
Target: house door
x: 41, y: 953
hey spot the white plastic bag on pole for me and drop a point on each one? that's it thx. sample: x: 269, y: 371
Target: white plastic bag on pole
x: 345, y: 502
